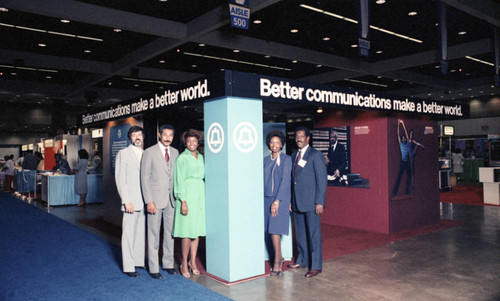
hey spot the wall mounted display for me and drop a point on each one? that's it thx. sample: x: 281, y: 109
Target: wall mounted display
x: 335, y: 144
x: 409, y: 141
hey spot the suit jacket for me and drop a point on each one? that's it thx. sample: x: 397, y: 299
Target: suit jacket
x: 128, y: 178
x: 310, y: 181
x: 337, y: 159
x: 157, y: 177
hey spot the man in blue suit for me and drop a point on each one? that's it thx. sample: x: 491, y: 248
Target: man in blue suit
x: 309, y: 181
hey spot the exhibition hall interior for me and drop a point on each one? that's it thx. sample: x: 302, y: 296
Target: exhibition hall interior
x: 402, y: 100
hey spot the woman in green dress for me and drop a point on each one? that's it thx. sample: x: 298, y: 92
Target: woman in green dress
x: 189, y: 189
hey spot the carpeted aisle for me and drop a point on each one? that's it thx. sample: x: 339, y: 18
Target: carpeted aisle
x: 46, y: 258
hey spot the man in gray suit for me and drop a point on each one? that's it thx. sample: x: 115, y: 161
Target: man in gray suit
x: 128, y: 183
x: 157, y: 179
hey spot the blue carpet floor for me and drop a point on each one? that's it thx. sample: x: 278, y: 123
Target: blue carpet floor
x: 45, y: 258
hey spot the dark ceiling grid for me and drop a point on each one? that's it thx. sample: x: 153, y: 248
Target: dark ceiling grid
x: 154, y: 31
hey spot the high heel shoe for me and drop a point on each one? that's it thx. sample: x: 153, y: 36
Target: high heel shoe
x: 277, y: 272
x: 185, y: 274
x: 194, y: 270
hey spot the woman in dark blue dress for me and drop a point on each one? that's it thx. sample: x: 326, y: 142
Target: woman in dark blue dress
x: 277, y: 193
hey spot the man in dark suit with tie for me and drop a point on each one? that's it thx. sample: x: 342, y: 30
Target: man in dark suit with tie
x: 309, y: 181
x: 157, y: 180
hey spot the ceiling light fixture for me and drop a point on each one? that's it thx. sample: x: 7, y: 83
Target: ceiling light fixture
x: 295, y: 61
x: 201, y: 45
x: 294, y: 30
x: 3, y: 9
x: 354, y: 46
x: 380, y: 1
x: 379, y: 52
x: 364, y: 82
x: 319, y: 65
x: 267, y: 56
x: 356, y: 22
x: 257, y: 21
x: 161, y: 61
x: 235, y: 61
x: 42, y: 45
x: 319, y: 110
x: 148, y: 81
x: 87, y: 51
x: 236, y: 50
x: 326, y: 39
x: 117, y: 30
x: 65, y: 21
x: 461, y: 33
x: 51, y: 32
x: 28, y: 68
x: 479, y: 61
x: 412, y: 13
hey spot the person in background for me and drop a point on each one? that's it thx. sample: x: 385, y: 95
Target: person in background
x: 80, y: 171
x: 30, y: 161
x: 8, y: 169
x: 19, y: 161
x: 189, y: 188
x: 277, y: 181
x: 309, y: 181
x: 41, y: 163
x: 457, y: 159
x: 157, y: 182
x: 128, y: 184
x: 96, y: 164
x: 61, y: 165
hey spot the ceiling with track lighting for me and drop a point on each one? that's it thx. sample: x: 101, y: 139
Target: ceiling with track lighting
x: 94, y: 53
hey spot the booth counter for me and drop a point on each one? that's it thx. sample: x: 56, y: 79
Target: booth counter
x: 60, y: 189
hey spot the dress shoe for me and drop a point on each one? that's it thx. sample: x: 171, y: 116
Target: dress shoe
x: 312, y: 273
x: 170, y: 271
x: 131, y: 274
x: 294, y: 266
x: 195, y: 271
x: 276, y: 272
x: 156, y: 275
x: 185, y: 272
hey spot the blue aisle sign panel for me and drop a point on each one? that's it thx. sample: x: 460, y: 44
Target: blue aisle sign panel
x: 364, y: 47
x: 240, y: 16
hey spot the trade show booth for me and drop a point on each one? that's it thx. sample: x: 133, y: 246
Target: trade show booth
x: 390, y: 154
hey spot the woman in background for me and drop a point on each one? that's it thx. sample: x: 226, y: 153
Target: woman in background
x: 458, y: 161
x: 189, y: 188
x: 81, y: 176
x: 277, y: 181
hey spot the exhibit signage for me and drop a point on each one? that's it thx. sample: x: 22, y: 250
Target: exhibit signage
x: 215, y: 137
x: 118, y: 140
x: 268, y: 88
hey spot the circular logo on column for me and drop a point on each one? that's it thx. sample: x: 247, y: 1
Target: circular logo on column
x: 245, y: 137
x: 215, y: 137
x: 119, y: 133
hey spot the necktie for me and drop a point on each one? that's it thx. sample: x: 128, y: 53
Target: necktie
x: 166, y: 154
x: 299, y: 156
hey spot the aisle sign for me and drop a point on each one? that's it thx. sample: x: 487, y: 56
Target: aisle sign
x: 364, y: 47
x: 240, y: 16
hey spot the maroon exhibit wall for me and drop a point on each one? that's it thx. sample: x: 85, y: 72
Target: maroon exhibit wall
x: 375, y: 155
x: 361, y: 208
